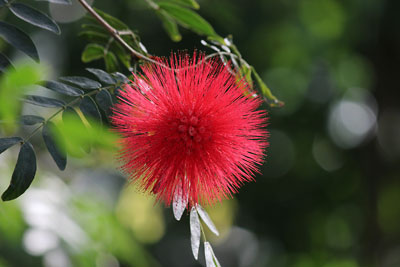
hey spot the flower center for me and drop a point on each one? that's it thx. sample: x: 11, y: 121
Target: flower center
x: 191, y: 132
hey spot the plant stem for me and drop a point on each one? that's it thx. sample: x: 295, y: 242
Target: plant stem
x: 203, y: 234
x: 63, y: 108
x: 115, y: 34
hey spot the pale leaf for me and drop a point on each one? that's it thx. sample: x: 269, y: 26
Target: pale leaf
x: 206, y: 219
x: 195, y: 232
x: 179, y: 203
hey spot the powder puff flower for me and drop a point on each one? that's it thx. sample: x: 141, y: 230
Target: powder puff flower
x: 188, y: 131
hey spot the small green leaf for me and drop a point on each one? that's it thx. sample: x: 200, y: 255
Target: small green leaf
x: 44, y: 101
x: 189, y: 3
x: 23, y: 174
x: 79, y: 137
x: 70, y: 116
x: 4, y: 63
x: 18, y: 39
x: 114, y: 22
x: 35, y: 17
x: 121, y: 78
x: 94, y: 27
x: 188, y: 18
x: 122, y: 55
x: 272, y: 100
x: 30, y: 119
x: 169, y: 25
x: 57, y: 151
x: 82, y: 82
x: 95, y: 37
x: 105, y: 102
x: 62, y: 88
x: 89, y: 109
x: 102, y: 76
x: 92, y: 52
x: 111, y: 62
x: 6, y: 143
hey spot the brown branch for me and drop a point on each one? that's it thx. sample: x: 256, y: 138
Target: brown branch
x: 114, y: 33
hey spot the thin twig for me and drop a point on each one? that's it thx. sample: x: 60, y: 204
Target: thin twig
x: 114, y: 33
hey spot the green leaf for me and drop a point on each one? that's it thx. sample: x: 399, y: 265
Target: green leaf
x: 35, y: 17
x: 121, y: 78
x: 92, y: 52
x: 23, y: 174
x: 30, y: 119
x: 69, y: 116
x: 95, y: 37
x: 102, y: 75
x: 272, y: 100
x: 4, y: 63
x: 111, y: 62
x: 78, y: 136
x: 57, y: 150
x: 13, y: 84
x: 114, y: 22
x: 18, y: 39
x: 122, y: 55
x: 105, y: 102
x: 94, y: 27
x: 189, y: 3
x: 62, y: 2
x: 44, y: 101
x: 6, y: 143
x: 62, y: 88
x: 169, y: 25
x: 82, y: 82
x: 188, y: 18
x: 90, y: 110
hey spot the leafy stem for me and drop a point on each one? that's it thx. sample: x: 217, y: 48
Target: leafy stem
x: 265, y: 91
x: 115, y: 34
x: 69, y: 104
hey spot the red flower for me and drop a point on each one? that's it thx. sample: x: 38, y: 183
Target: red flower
x: 188, y: 131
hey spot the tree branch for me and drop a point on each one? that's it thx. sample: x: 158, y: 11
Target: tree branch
x: 114, y: 33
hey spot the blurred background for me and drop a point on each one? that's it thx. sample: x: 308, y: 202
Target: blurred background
x: 329, y: 194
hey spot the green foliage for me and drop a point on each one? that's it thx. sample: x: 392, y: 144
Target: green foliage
x: 89, y: 108
x: 6, y: 143
x: 13, y: 84
x: 82, y: 82
x: 23, y: 174
x: 34, y: 17
x: 96, y: 135
x: 103, y: 46
x: 187, y: 18
x: 169, y: 25
x: 43, y: 101
x: 30, y: 119
x: 4, y: 63
x: 57, y: 150
x: 62, y: 88
x: 18, y: 39
x: 92, y: 52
